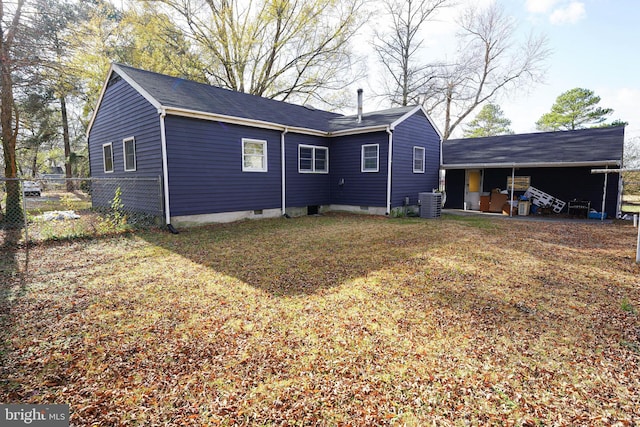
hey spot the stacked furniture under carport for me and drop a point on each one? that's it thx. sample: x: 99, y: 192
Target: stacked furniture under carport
x: 558, y: 163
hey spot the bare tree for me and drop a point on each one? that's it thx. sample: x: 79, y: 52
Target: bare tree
x: 398, y: 48
x: 489, y: 63
x: 274, y: 48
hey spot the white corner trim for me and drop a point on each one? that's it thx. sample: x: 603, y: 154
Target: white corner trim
x: 165, y: 169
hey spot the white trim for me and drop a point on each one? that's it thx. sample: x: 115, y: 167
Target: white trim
x: 115, y: 68
x: 146, y: 95
x: 283, y: 169
x: 104, y: 159
x: 529, y: 165
x: 362, y: 168
x: 313, y: 159
x: 356, y: 131
x: 124, y: 154
x: 389, y: 165
x: 184, y: 112
x: 393, y: 125
x: 265, y: 164
x: 165, y: 169
x: 423, y: 159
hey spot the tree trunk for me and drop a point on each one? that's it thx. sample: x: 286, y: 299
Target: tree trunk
x: 34, y: 163
x: 14, y: 214
x: 67, y: 143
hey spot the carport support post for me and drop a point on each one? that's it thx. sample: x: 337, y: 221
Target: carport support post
x: 604, y: 195
x: 638, y: 248
x: 513, y: 177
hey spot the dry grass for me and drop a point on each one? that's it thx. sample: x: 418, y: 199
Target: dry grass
x: 334, y: 320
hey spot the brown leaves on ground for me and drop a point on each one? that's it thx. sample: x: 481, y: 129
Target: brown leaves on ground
x: 334, y: 320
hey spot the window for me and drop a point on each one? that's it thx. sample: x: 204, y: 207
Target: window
x: 254, y: 155
x: 370, y: 157
x: 312, y: 159
x: 418, y: 160
x: 129, y: 150
x: 107, y: 157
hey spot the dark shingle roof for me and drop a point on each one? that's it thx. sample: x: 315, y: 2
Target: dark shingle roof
x: 373, y: 119
x: 586, y: 146
x: 173, y: 92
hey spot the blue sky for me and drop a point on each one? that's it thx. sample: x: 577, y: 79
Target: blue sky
x: 595, y: 46
x: 594, y: 43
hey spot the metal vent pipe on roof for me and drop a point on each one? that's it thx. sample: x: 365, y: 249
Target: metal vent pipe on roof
x: 360, y: 105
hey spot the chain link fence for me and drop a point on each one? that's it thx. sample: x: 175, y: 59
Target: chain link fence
x: 60, y: 208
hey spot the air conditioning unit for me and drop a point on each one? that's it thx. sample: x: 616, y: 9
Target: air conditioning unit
x: 430, y: 205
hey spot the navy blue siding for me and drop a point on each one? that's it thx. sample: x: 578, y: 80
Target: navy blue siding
x: 360, y: 188
x: 205, y: 168
x: 124, y: 113
x: 563, y: 183
x: 416, y: 131
x: 306, y: 189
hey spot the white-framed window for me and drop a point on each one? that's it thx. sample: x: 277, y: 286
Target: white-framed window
x: 254, y: 155
x: 313, y: 159
x: 370, y: 158
x: 129, y: 152
x: 107, y: 157
x: 418, y: 159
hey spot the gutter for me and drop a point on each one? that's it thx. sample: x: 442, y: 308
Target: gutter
x: 183, y: 112
x: 529, y: 165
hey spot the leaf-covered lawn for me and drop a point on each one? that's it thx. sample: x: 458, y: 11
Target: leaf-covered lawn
x: 334, y: 320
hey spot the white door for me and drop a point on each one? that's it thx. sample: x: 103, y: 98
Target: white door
x: 472, y: 189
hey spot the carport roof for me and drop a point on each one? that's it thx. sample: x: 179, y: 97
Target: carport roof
x: 584, y: 147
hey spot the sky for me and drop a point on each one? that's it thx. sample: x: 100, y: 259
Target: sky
x: 595, y: 45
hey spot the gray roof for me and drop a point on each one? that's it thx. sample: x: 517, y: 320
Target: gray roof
x: 174, y: 92
x: 597, y: 146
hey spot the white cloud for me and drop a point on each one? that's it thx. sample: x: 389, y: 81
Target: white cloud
x: 540, y: 6
x: 624, y: 102
x: 569, y: 14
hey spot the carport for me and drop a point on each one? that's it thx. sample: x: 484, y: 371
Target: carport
x: 558, y: 164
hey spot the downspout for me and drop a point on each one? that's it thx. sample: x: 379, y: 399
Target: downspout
x: 165, y: 172
x: 442, y: 175
x: 283, y: 167
x: 390, y: 132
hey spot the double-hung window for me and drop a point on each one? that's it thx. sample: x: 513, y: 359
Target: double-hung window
x: 254, y: 155
x: 129, y: 151
x: 313, y: 159
x: 107, y: 157
x: 418, y: 159
x: 370, y: 158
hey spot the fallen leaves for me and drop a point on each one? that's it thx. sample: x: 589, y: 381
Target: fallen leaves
x: 335, y: 320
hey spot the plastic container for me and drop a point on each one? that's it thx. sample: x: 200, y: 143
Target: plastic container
x: 597, y: 215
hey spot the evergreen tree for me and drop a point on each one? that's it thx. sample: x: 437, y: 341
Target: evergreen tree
x: 490, y: 121
x: 574, y: 109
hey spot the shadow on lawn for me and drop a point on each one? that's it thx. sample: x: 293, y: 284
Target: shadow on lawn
x: 292, y: 257
x: 13, y: 282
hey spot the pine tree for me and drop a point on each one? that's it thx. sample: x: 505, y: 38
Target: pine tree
x: 490, y: 121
